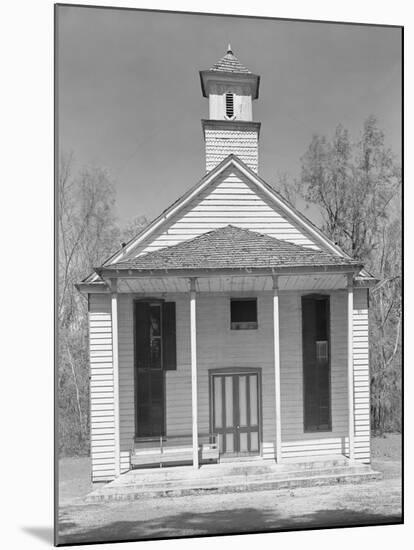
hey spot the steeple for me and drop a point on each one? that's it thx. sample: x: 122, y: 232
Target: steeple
x: 231, y: 89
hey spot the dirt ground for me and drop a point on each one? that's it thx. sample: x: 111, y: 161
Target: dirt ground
x: 371, y: 502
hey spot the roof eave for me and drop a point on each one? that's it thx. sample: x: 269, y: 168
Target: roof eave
x: 221, y: 76
x: 92, y: 288
x: 116, y: 272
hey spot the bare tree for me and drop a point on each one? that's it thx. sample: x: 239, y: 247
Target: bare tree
x: 356, y: 188
x: 87, y: 233
x: 133, y: 227
x: 352, y: 185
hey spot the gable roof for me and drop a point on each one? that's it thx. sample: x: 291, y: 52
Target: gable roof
x: 231, y: 247
x: 232, y: 160
x: 229, y: 64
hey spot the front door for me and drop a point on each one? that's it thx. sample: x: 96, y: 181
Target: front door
x: 236, y: 412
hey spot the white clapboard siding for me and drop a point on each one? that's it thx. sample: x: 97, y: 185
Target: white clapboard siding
x: 231, y: 199
x: 295, y: 442
x: 218, y: 346
x: 361, y: 376
x: 101, y: 388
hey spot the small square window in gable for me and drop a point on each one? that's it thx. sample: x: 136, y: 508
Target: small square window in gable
x: 243, y: 313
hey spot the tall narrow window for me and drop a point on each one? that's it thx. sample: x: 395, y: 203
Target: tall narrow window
x: 316, y: 363
x: 229, y: 105
x: 155, y: 352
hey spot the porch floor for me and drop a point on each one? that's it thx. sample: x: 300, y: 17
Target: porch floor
x: 229, y: 477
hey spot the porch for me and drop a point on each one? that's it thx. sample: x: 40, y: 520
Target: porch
x: 235, y: 335
x: 254, y: 374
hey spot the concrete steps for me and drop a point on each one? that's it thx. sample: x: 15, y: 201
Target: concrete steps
x: 231, y: 477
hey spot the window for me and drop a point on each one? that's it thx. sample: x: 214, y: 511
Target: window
x: 150, y: 403
x: 316, y: 363
x: 243, y: 313
x: 155, y: 339
x: 155, y: 352
x: 229, y: 105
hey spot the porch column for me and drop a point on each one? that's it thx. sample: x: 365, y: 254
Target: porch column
x: 350, y: 365
x: 193, y: 347
x: 115, y: 363
x: 276, y: 344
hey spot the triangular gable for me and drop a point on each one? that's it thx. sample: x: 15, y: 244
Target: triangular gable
x: 231, y: 193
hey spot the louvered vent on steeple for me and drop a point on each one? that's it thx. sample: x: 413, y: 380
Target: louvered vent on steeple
x: 229, y: 105
x: 231, y: 89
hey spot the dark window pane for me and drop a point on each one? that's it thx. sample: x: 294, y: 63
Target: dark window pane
x: 155, y: 320
x: 321, y: 318
x: 157, y: 387
x: 142, y: 335
x: 169, y: 344
x: 155, y: 353
x: 150, y: 406
x: 149, y: 372
x: 143, y: 387
x: 144, y: 422
x: 243, y: 314
x: 316, y: 367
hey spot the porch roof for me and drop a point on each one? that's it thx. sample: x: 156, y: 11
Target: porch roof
x: 232, y: 248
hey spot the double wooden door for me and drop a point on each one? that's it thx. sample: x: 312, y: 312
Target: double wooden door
x: 236, y: 412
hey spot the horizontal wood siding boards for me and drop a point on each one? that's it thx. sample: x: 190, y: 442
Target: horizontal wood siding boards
x: 292, y: 379
x: 101, y: 388
x: 220, y: 347
x: 361, y: 376
x: 232, y: 200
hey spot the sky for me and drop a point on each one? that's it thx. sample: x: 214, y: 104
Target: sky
x: 130, y: 101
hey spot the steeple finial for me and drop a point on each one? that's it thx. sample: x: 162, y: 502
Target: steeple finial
x: 229, y: 50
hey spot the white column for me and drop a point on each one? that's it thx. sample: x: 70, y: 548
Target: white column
x: 115, y: 363
x: 276, y: 343
x: 350, y: 366
x: 193, y: 347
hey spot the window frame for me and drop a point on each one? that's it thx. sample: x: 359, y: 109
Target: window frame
x: 150, y: 371
x: 244, y: 325
x: 306, y: 427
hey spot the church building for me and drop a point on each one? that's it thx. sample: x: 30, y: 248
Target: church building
x: 230, y: 329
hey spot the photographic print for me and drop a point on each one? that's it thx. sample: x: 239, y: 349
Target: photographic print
x: 229, y: 308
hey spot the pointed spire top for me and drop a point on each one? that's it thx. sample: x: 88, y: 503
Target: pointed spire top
x: 229, y: 63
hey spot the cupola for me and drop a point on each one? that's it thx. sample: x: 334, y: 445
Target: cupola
x: 231, y: 89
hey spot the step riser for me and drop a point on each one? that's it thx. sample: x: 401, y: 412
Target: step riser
x: 262, y: 485
x: 156, y: 483
x: 142, y: 476
x: 255, y: 465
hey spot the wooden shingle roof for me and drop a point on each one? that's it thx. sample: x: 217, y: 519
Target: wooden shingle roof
x: 232, y: 247
x: 229, y: 64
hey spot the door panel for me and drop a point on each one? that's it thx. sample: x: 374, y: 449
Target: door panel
x: 218, y: 402
x: 228, y: 399
x: 235, y: 417
x: 242, y: 401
